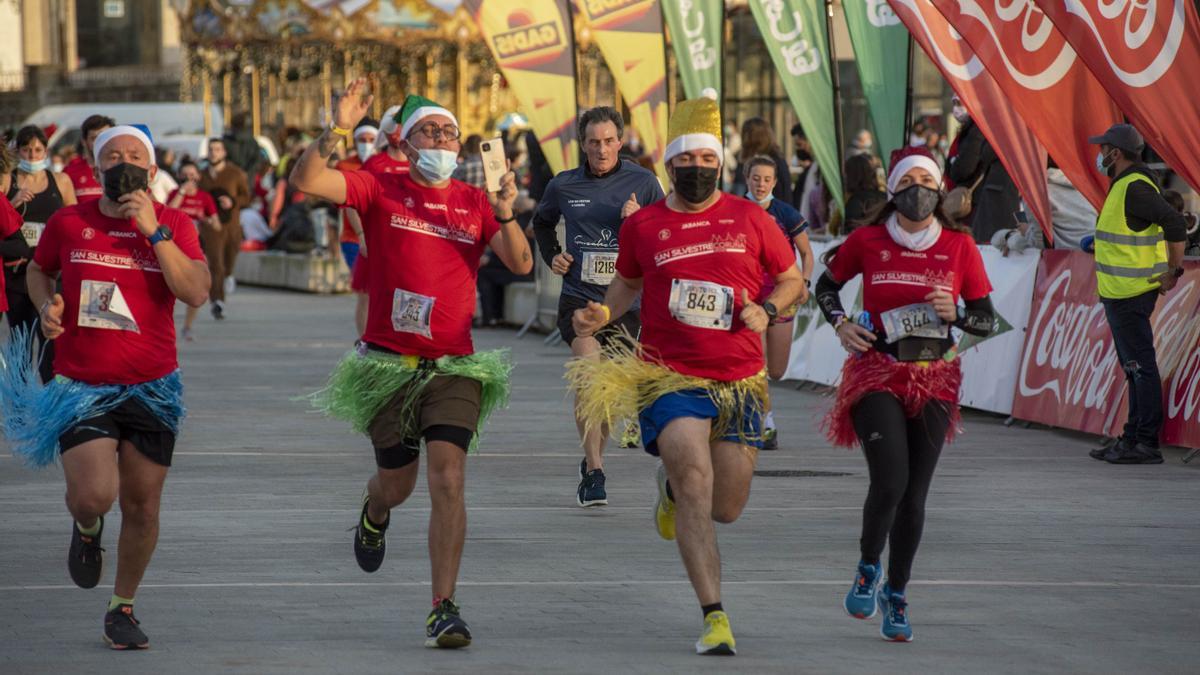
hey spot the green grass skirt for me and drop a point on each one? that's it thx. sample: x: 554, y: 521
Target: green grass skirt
x: 361, y: 385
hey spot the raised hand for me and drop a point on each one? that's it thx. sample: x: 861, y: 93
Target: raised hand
x: 631, y: 206
x: 353, y: 105
x: 139, y: 206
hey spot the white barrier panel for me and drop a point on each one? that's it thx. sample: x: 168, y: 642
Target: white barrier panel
x: 989, y: 367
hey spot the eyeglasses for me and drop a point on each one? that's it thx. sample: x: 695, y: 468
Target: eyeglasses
x: 432, y: 130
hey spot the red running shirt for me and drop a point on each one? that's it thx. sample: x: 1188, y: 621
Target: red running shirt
x: 118, y: 318
x: 348, y: 236
x: 425, y: 244
x: 702, y: 258
x: 382, y: 162
x: 894, y: 276
x: 10, y: 223
x: 198, y: 206
x: 83, y: 179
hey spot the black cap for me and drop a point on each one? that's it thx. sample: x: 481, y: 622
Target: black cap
x: 1122, y: 136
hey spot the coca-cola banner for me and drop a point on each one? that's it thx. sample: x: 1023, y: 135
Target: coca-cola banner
x: 1010, y: 137
x: 1069, y: 373
x: 1146, y: 53
x: 1049, y: 86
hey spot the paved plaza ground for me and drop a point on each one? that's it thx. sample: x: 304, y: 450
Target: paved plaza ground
x: 1035, y: 558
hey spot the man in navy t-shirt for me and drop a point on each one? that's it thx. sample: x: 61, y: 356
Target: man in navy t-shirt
x: 593, y: 199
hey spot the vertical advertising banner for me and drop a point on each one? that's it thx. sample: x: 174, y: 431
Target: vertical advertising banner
x: 881, y: 54
x: 1010, y: 137
x: 630, y: 35
x: 1147, y: 56
x: 1048, y: 85
x: 533, y: 43
x: 695, y: 27
x: 794, y: 31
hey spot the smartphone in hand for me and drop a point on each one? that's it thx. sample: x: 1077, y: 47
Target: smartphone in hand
x: 495, y: 164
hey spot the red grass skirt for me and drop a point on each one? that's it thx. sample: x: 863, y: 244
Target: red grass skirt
x: 914, y: 383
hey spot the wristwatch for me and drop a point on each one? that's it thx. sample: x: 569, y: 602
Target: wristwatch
x: 164, y: 233
x: 771, y: 310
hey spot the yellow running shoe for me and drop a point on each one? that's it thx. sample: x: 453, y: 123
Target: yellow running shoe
x: 664, y: 508
x: 632, y: 436
x: 717, y: 639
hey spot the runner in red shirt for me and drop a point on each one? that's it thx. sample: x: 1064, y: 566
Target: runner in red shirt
x: 123, y: 261
x: 697, y: 381
x: 12, y: 242
x: 202, y: 209
x: 80, y: 169
x: 365, y: 136
x: 899, y: 394
x: 415, y: 374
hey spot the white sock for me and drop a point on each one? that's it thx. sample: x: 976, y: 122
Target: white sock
x: 769, y: 422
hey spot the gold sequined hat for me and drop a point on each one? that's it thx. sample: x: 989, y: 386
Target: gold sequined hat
x: 696, y: 125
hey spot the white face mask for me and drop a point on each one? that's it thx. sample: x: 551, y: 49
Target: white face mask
x: 436, y: 165
x: 960, y: 113
x: 365, y: 150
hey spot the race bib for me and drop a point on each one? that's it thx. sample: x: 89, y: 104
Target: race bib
x: 412, y: 313
x: 101, y: 305
x: 916, y: 320
x: 702, y: 304
x: 32, y: 232
x: 599, y: 267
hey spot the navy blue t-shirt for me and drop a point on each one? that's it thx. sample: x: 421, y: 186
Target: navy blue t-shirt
x: 788, y: 218
x: 591, y: 206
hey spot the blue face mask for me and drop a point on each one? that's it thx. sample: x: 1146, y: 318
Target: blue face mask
x: 436, y: 165
x: 33, y: 167
x: 1101, y: 165
x: 764, y: 203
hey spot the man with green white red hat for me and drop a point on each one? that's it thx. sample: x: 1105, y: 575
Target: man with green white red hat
x: 415, y: 375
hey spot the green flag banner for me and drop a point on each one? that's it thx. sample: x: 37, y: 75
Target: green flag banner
x: 695, y: 27
x: 881, y: 52
x: 794, y: 31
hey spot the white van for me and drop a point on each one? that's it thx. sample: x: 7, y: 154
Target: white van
x: 164, y: 119
x: 195, y: 146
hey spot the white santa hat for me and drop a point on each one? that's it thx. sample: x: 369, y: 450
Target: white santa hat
x: 140, y: 132
x: 907, y: 159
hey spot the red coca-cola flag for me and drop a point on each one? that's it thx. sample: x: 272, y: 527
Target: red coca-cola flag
x: 1048, y: 85
x: 1014, y: 143
x: 1147, y: 56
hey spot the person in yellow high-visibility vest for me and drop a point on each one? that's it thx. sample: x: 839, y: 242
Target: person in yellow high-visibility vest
x: 1140, y: 241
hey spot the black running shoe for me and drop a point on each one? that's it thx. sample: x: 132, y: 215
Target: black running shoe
x: 122, y: 631
x: 591, y: 489
x: 369, y: 546
x: 1108, y: 447
x: 445, y: 628
x: 1137, y: 454
x: 85, y: 561
x: 218, y: 310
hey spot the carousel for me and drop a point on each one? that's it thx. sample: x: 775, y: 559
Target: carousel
x: 282, y: 62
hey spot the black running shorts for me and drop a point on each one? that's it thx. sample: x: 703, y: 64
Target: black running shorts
x: 567, y: 304
x: 130, y: 421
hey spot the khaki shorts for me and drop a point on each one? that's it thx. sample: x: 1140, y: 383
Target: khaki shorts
x: 447, y: 400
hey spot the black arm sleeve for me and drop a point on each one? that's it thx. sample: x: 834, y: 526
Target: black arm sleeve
x: 1145, y: 206
x: 545, y: 224
x: 979, y: 318
x: 14, y: 247
x: 828, y: 298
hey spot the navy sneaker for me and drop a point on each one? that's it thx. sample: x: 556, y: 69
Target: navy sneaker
x: 895, y: 626
x: 123, y: 631
x: 860, y: 601
x: 445, y: 629
x: 85, y: 559
x: 370, y: 545
x: 591, y: 489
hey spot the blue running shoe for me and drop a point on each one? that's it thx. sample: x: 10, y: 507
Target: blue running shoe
x: 860, y: 601
x: 895, y: 626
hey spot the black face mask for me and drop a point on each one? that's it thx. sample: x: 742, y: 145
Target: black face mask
x: 695, y: 184
x: 916, y: 202
x: 803, y: 155
x: 124, y: 178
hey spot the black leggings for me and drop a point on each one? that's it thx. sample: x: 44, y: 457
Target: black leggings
x: 22, y: 313
x: 901, y: 456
